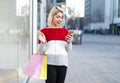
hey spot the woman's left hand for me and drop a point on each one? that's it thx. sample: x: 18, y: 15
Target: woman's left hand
x: 41, y: 37
x: 69, y: 37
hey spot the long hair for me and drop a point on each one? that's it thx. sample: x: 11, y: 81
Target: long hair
x: 52, y: 13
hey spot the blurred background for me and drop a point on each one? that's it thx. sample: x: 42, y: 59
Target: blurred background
x: 96, y: 24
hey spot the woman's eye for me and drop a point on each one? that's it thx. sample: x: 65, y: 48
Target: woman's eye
x: 58, y: 16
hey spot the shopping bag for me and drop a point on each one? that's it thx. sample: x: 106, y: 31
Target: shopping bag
x: 36, y: 66
x: 43, y: 74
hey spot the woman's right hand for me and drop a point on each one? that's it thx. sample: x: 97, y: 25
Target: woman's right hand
x: 69, y: 36
x: 41, y: 37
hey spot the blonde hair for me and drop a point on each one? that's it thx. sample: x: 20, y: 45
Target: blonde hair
x: 52, y: 13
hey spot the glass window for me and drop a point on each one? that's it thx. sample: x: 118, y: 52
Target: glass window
x: 51, y: 1
x: 39, y: 1
x: 14, y: 38
x: 118, y: 8
x: 60, y: 1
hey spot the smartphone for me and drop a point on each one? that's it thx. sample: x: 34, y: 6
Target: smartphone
x: 71, y: 32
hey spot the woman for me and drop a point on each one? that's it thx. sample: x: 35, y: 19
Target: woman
x: 55, y: 42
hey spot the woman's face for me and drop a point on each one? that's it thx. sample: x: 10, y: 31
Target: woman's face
x: 57, y: 19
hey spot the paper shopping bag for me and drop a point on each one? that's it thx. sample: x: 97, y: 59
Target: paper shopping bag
x: 43, y: 74
x: 34, y: 66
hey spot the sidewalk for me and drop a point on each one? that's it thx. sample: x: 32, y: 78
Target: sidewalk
x: 104, y: 39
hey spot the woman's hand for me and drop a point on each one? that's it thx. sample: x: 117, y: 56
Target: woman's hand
x: 41, y: 37
x: 69, y: 36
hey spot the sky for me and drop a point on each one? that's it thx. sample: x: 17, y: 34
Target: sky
x: 77, y: 4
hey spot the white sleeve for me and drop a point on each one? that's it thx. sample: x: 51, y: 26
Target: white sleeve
x: 68, y: 47
x: 42, y: 48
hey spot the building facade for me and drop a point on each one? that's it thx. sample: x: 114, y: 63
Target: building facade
x: 114, y: 21
x: 41, y: 15
x: 94, y: 14
x: 51, y: 3
x: 102, y: 15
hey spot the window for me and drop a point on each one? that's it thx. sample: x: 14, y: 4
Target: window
x: 119, y: 8
x: 51, y: 1
x: 39, y: 1
x: 60, y: 0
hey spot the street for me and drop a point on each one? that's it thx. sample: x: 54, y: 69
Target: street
x: 96, y: 60
x: 94, y: 63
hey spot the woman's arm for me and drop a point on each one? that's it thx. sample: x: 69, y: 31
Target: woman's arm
x: 69, y: 39
x: 42, y: 48
x: 68, y: 47
x: 42, y: 44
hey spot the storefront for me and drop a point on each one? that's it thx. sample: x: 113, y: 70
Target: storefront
x: 18, y: 37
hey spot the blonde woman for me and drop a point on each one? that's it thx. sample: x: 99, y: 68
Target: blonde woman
x: 55, y: 42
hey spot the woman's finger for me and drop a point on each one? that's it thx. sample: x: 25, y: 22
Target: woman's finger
x: 69, y: 39
x: 69, y: 36
x: 41, y: 37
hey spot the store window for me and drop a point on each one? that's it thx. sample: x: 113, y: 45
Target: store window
x: 14, y: 38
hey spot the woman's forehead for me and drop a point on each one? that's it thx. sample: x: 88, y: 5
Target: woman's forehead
x: 60, y: 14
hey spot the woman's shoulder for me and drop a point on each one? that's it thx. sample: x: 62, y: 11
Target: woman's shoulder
x: 43, y: 29
x: 54, y: 29
x: 65, y: 28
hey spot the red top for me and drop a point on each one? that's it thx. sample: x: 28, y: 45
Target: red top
x: 55, y: 33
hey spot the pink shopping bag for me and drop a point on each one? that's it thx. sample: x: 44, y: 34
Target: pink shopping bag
x: 34, y: 66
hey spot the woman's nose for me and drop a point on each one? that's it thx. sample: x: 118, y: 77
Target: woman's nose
x: 60, y: 19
